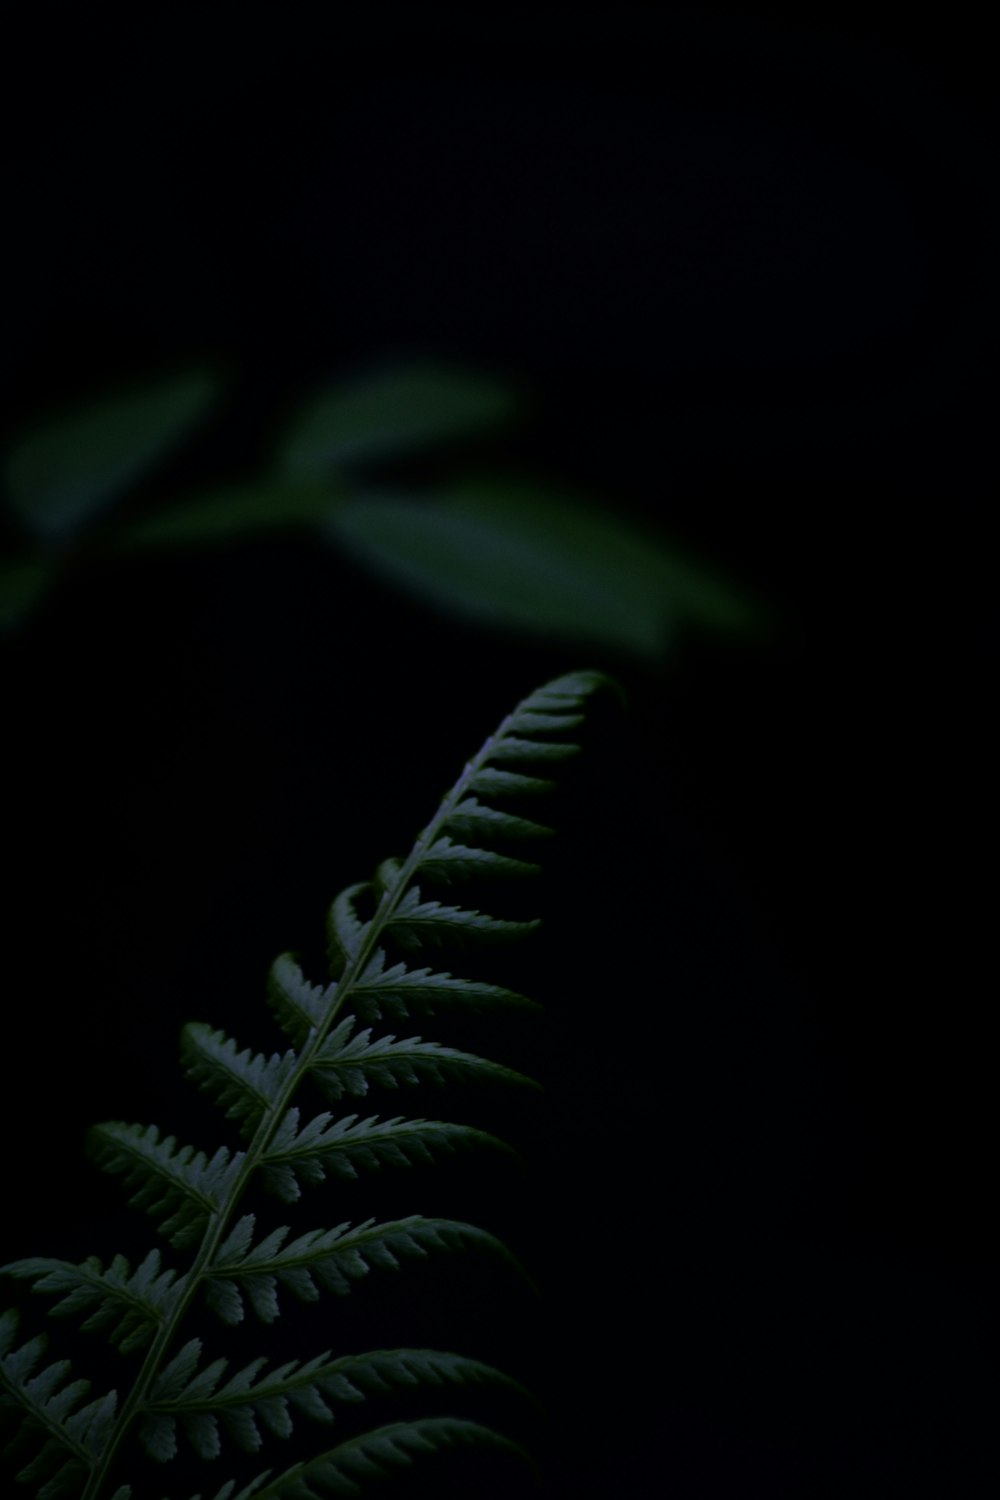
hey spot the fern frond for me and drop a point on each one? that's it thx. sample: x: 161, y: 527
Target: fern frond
x: 415, y: 923
x: 400, y: 992
x: 245, y: 1084
x: 513, y: 748
x: 178, y: 1186
x: 528, y: 721
x: 191, y: 1396
x: 299, y: 1006
x: 346, y: 1469
x: 472, y: 817
x: 127, y: 1305
x: 347, y: 1064
x: 445, y: 860
x: 338, y: 1147
x: 328, y: 1260
x: 562, y: 696
x: 494, y: 783
x: 345, y: 929
x: 228, y: 1490
x: 62, y: 1436
x: 194, y: 1197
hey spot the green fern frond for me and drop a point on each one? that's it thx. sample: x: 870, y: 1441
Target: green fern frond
x: 400, y: 992
x: 563, y: 697
x: 530, y: 721
x: 228, y: 1490
x: 62, y: 1437
x: 126, y: 1305
x: 415, y: 923
x: 325, y: 1145
x: 190, y: 1395
x: 71, y: 1442
x: 178, y: 1186
x: 472, y: 818
x: 494, y: 783
x: 345, y: 1471
x: 328, y: 1260
x: 512, y: 748
x: 345, y: 929
x: 347, y: 1064
x: 298, y: 1006
x: 446, y: 860
x: 245, y: 1084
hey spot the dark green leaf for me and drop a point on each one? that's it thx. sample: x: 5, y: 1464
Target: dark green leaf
x: 529, y: 561
x: 389, y: 413
x: 348, y: 1469
x: 22, y: 585
x: 65, y: 471
x: 226, y: 515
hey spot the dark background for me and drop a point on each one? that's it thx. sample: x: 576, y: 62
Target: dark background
x: 744, y: 267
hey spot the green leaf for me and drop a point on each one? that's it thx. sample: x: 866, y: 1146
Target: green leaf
x: 347, y: 1469
x: 471, y: 817
x: 391, y: 412
x: 401, y: 991
x: 226, y: 515
x: 23, y: 584
x: 177, y: 1186
x: 415, y: 923
x: 387, y: 876
x: 62, y: 473
x: 494, y: 783
x: 328, y: 1260
x: 347, y: 1064
x: 126, y: 1305
x: 245, y: 1084
x: 62, y: 1437
x: 338, y: 1147
x: 310, y: 1389
x: 510, y: 747
x: 561, y: 697
x: 297, y: 1004
x: 446, y: 860
x: 228, y: 1490
x: 530, y: 562
x: 344, y: 929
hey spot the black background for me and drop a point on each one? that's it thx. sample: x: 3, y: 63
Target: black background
x: 743, y: 266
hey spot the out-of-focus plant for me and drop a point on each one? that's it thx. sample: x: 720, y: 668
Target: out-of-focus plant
x: 510, y: 555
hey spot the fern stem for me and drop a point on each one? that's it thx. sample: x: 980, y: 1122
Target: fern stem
x: 219, y: 1222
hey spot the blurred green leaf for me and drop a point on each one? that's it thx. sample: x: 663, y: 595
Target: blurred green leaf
x: 226, y: 515
x: 699, y: 594
x: 391, y: 413
x: 22, y: 585
x: 64, y: 472
x: 530, y: 561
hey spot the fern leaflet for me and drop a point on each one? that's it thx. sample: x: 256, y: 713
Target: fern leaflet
x: 331, y: 1259
x: 126, y: 1305
x: 349, y: 1064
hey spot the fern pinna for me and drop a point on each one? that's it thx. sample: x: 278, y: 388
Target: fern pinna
x: 72, y: 1444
